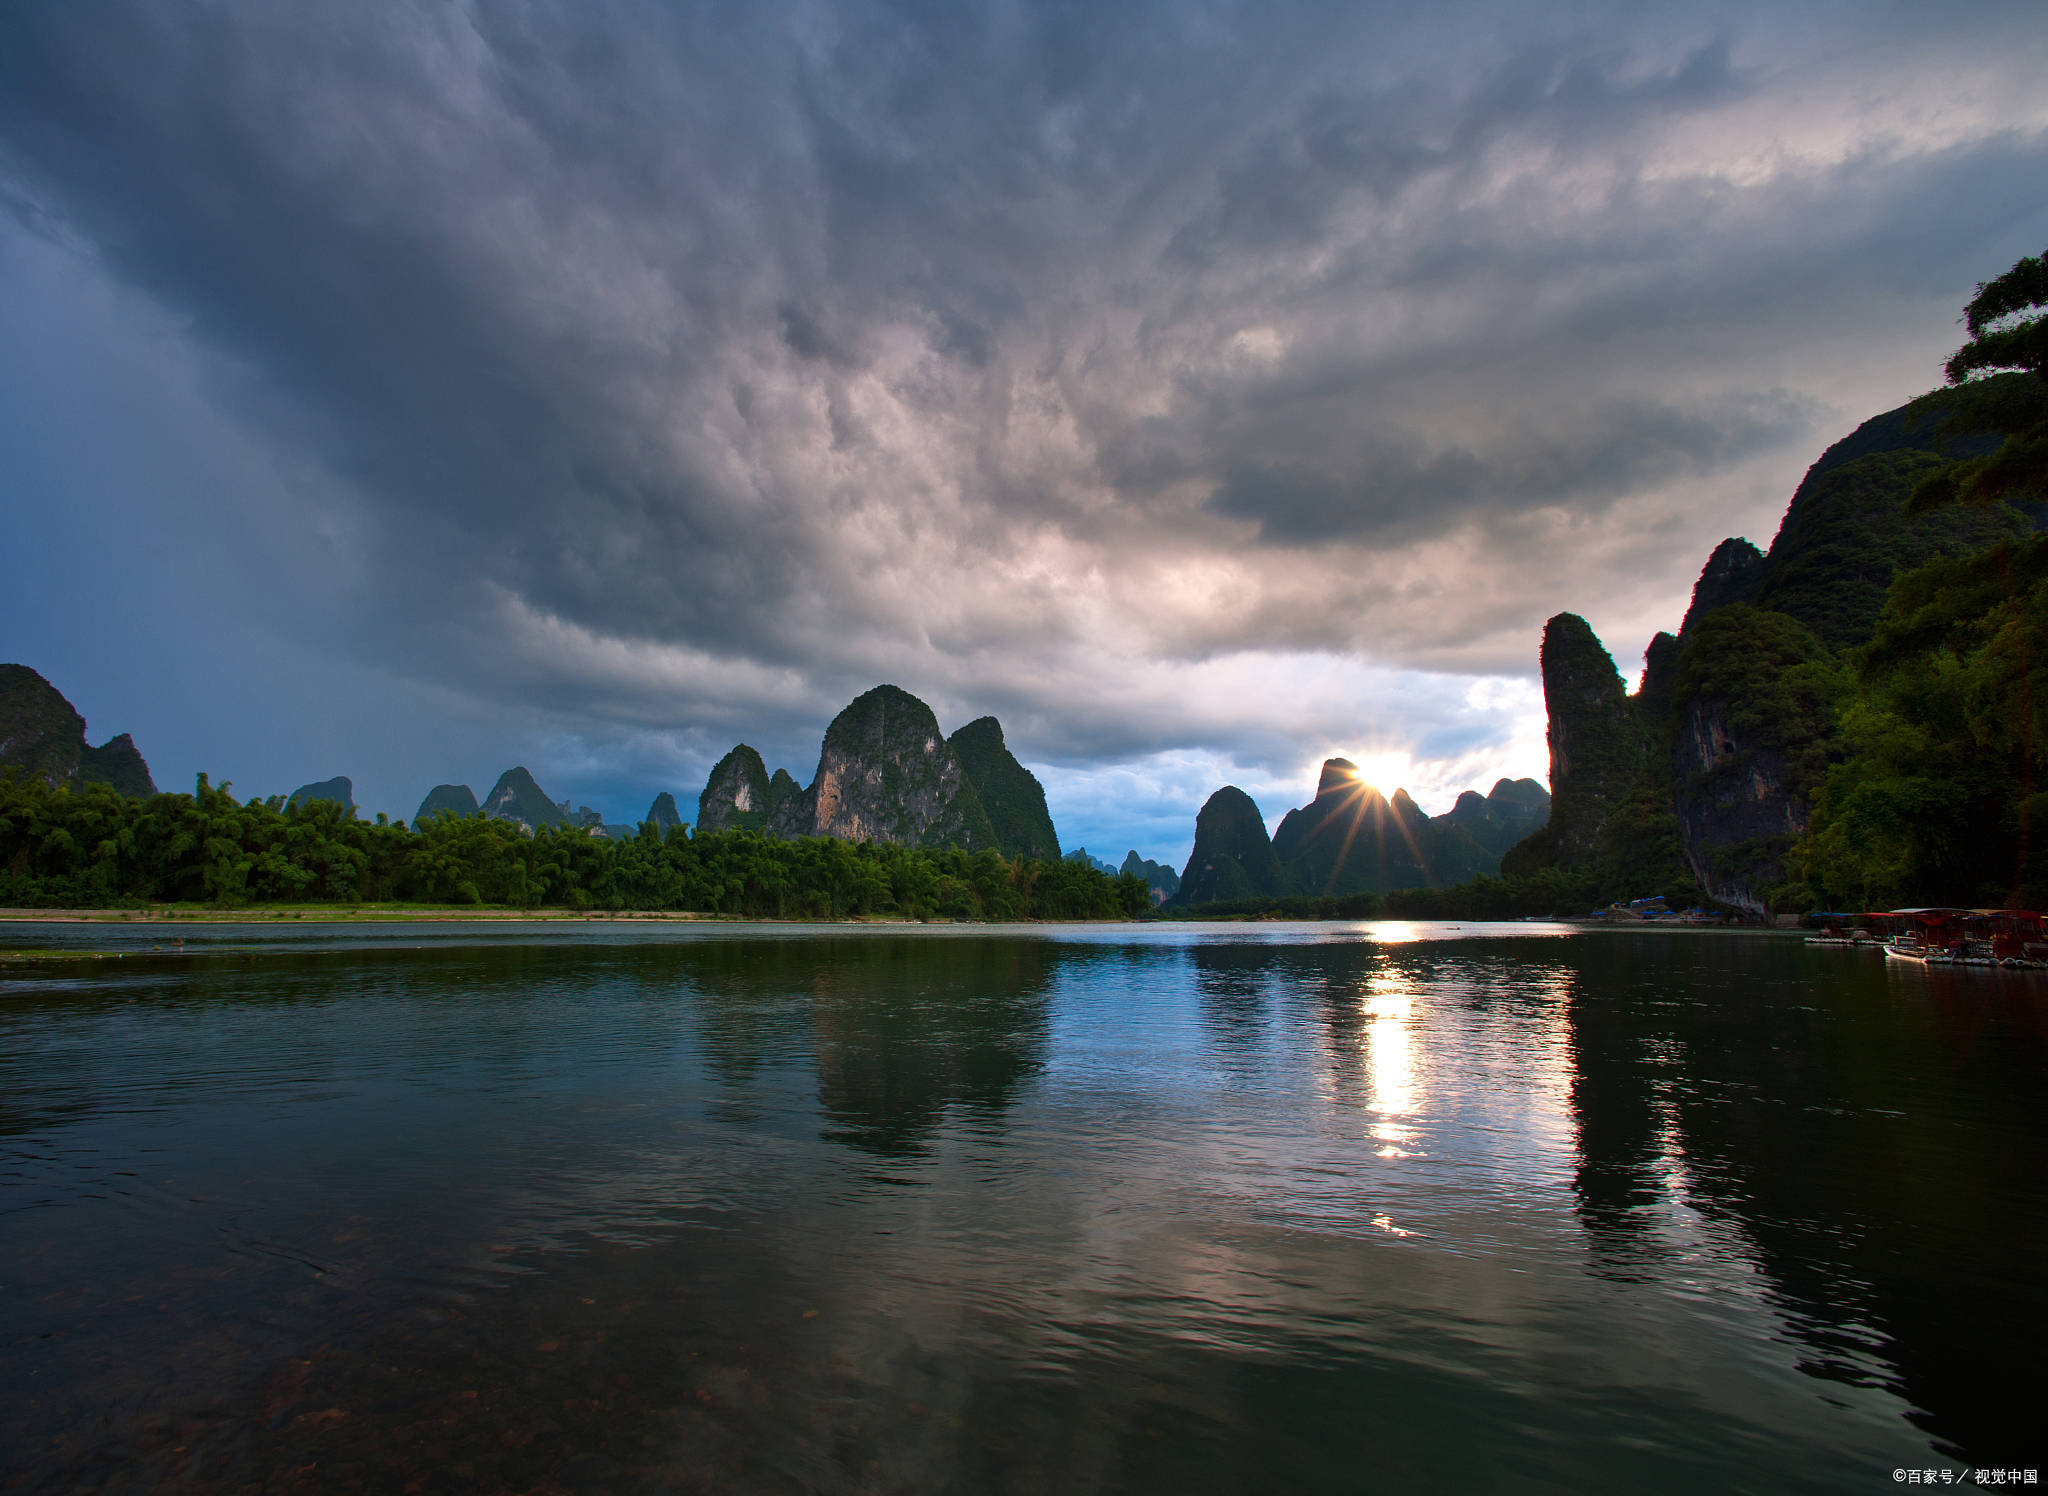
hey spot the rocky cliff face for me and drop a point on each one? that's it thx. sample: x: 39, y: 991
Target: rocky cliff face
x: 1734, y: 726
x: 1754, y: 734
x: 42, y: 734
x: 1596, y: 748
x: 1232, y: 857
x: 886, y: 773
x: 737, y: 795
x: 339, y: 789
x: 663, y: 812
x: 1735, y: 812
x: 515, y: 797
x: 457, y: 800
x: 1010, y: 794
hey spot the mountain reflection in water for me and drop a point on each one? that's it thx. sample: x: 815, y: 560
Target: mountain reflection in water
x: 1134, y: 1208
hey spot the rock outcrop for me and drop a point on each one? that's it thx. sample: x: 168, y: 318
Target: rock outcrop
x: 338, y: 789
x: 42, y: 734
x: 457, y: 800
x: 1732, y: 575
x: 515, y: 797
x: 1011, y: 796
x: 1752, y: 738
x: 663, y: 812
x: 1232, y: 857
x: 1597, y: 748
x: 1653, y: 700
x: 886, y: 773
x: 737, y: 795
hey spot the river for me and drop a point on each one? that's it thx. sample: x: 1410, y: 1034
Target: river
x: 1263, y: 1207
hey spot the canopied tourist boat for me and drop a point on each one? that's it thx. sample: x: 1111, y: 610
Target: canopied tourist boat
x: 2010, y: 938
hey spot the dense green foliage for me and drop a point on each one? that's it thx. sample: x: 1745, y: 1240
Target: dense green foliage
x: 117, y: 764
x: 93, y: 848
x: 1936, y: 800
x: 1011, y: 795
x: 1771, y: 683
x: 2008, y: 322
x: 1847, y: 533
x: 39, y: 730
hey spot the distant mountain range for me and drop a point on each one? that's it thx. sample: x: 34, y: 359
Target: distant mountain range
x: 1350, y: 839
x: 1163, y: 880
x: 887, y: 773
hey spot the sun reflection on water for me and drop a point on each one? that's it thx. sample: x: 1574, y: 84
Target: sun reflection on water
x: 1389, y: 1009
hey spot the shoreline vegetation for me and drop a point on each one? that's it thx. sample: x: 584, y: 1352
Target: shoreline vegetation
x: 90, y: 847
x: 89, y: 852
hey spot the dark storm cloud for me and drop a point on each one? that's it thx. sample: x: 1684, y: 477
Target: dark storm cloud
x: 1284, y: 189
x: 670, y: 364
x: 1603, y: 454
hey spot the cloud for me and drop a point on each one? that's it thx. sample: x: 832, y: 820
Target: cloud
x: 657, y: 376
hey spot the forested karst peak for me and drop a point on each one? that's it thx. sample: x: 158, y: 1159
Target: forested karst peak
x: 42, y: 734
x: 1821, y: 729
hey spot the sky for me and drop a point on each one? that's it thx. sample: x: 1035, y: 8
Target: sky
x: 411, y: 391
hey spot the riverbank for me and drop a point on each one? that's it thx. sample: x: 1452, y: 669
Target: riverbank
x: 210, y: 914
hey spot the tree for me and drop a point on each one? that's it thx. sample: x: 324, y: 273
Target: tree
x: 2008, y: 323
x: 2020, y: 344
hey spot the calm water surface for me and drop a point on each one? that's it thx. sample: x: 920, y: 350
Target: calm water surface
x: 1317, y: 1208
